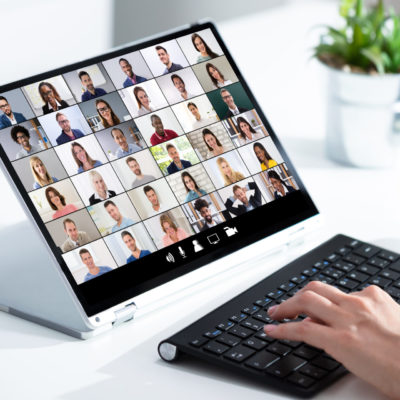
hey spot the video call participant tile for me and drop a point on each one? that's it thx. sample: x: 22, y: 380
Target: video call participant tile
x: 137, y: 170
x: 169, y: 228
x: 14, y: 108
x: 90, y: 261
x: 130, y: 244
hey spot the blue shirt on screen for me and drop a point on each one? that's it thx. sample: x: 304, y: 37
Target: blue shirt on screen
x: 125, y: 223
x: 102, y: 270
x: 64, y: 138
x: 89, y: 96
x: 192, y: 195
x: 96, y: 164
x: 37, y: 186
x: 133, y: 148
x: 139, y: 79
x: 142, y: 254
x: 5, y: 121
x: 174, y: 168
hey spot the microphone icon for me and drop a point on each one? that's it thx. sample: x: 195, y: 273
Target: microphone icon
x: 182, y: 252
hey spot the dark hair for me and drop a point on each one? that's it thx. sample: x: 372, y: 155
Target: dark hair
x: 200, y: 203
x: 68, y: 221
x: 56, y: 95
x: 235, y: 187
x: 239, y: 121
x: 274, y: 175
x: 116, y: 129
x: 83, y: 251
x: 170, y: 146
x: 19, y: 128
x: 208, y: 50
x: 174, y: 76
x: 161, y: 48
x: 59, y: 115
x: 126, y: 233
x: 123, y: 59
x: 214, y: 81
x: 148, y: 188
x: 191, y: 104
x: 263, y: 149
x: 208, y: 132
x: 185, y: 173
x: 3, y: 98
x: 57, y: 193
x: 83, y: 73
x: 129, y: 159
x: 109, y: 203
x: 154, y: 116
x: 114, y: 117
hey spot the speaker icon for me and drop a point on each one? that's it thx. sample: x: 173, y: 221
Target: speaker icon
x: 170, y: 258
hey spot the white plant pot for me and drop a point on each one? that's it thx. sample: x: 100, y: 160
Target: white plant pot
x: 360, y: 118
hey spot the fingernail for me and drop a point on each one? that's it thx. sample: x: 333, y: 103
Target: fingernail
x: 271, y: 310
x: 269, y: 328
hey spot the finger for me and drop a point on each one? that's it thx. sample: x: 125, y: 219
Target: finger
x: 332, y: 293
x: 305, y: 331
x: 310, y: 303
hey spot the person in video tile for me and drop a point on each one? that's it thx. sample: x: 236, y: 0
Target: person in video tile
x: 176, y: 164
x: 202, y: 47
x: 203, y: 208
x: 82, y: 158
x: 21, y: 136
x: 247, y: 133
x: 161, y: 135
x: 233, y: 109
x: 40, y: 173
x: 125, y: 148
x: 132, y: 78
x: 214, y: 146
x: 91, y: 92
x: 121, y: 221
x: 228, y: 174
x: 173, y: 234
x: 51, y: 99
x: 143, y: 101
x: 107, y: 115
x: 266, y: 161
x: 166, y: 60
x: 93, y: 270
x: 192, y: 189
x: 199, y: 121
x: 240, y: 194
x: 75, y: 238
x: 9, y: 117
x: 216, y: 76
x: 67, y: 133
x: 140, y: 178
x: 281, y: 188
x: 130, y: 242
x: 152, y: 196
x: 101, y: 191
x: 57, y: 202
x: 181, y: 87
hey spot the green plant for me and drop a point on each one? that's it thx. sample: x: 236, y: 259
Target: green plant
x: 368, y: 42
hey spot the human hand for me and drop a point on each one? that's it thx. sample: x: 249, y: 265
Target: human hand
x: 361, y: 330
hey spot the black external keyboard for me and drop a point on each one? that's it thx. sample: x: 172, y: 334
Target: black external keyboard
x: 232, y: 336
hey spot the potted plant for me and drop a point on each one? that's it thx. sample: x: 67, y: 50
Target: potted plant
x: 363, y: 64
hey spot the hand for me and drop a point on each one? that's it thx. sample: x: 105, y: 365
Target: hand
x: 361, y: 330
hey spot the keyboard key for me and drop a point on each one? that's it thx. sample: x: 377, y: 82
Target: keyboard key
x: 287, y: 286
x: 343, y: 251
x: 356, y: 260
x: 347, y: 283
x: 322, y: 278
x: 261, y: 360
x: 263, y: 336
x: 325, y: 363
x: 395, y: 266
x: 253, y: 324
x: 228, y: 339
x: 332, y: 257
x: 388, y: 255
x: 285, y: 366
x: 239, y: 353
x: 353, y: 244
x: 333, y: 273
x: 313, y: 371
x: 263, y: 302
x: 394, y: 292
x: 275, y: 294
x: 238, y: 317
x: 378, y: 262
x: 215, y: 348
x: 291, y: 343
x: 212, y: 334
x: 224, y: 326
x: 381, y: 282
x: 368, y: 269
x: 357, y: 276
x: 241, y: 332
x: 390, y: 274
x: 301, y: 380
x: 298, y: 279
x: 310, y: 271
x: 263, y: 316
x: 306, y: 352
x: 250, y: 310
x: 367, y: 250
x: 344, y: 266
x: 279, y: 349
x: 397, y: 284
x: 199, y: 342
x: 255, y: 343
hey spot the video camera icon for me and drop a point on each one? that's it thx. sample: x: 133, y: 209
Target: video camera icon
x: 230, y: 231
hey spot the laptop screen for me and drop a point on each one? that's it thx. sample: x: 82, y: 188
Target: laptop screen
x: 145, y: 163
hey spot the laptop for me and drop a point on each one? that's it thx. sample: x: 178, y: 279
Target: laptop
x: 138, y: 167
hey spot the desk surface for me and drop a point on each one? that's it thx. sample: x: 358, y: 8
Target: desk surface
x: 271, y: 49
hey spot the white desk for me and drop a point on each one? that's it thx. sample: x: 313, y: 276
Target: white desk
x: 38, y: 363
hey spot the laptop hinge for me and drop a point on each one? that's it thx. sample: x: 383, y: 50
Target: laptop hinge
x: 125, y: 314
